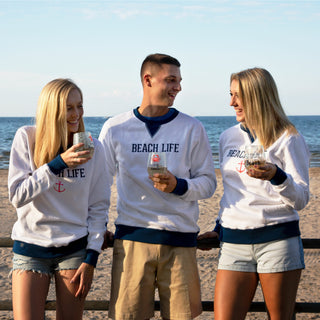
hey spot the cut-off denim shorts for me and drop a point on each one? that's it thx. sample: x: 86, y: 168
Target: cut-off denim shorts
x: 270, y: 257
x: 48, y: 266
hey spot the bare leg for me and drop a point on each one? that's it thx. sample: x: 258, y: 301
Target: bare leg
x: 280, y: 290
x: 29, y: 293
x: 68, y: 306
x: 234, y: 291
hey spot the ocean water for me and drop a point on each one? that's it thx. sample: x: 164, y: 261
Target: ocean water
x: 308, y: 126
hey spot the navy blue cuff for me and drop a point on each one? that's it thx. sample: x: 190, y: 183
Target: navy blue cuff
x: 279, y: 177
x: 92, y: 257
x: 217, y: 228
x: 181, y: 187
x: 57, y: 165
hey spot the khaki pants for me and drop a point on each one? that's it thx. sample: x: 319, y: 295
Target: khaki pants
x: 138, y: 268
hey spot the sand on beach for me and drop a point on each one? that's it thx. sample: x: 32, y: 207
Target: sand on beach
x: 309, y: 289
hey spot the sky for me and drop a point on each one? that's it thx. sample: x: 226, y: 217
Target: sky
x: 101, y: 44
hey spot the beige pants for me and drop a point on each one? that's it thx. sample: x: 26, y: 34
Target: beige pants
x: 138, y: 268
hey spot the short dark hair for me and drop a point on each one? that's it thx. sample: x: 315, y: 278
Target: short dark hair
x: 158, y: 59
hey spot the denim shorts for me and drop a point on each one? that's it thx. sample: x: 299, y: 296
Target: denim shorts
x: 269, y: 257
x: 48, y: 266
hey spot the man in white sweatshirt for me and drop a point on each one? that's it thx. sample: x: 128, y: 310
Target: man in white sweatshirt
x: 156, y: 227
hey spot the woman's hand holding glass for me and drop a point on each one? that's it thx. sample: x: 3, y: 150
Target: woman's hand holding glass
x: 263, y: 172
x: 256, y: 164
x: 73, y: 158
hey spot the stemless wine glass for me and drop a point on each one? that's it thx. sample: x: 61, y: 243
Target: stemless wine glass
x: 254, y: 155
x: 157, y: 163
x: 86, y: 139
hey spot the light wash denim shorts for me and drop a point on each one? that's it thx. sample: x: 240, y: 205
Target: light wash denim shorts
x: 48, y: 266
x: 269, y: 257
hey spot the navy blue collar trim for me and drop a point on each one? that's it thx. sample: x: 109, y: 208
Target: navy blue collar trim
x: 251, y: 137
x: 153, y: 124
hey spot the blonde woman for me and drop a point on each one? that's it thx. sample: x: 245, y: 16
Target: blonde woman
x: 258, y: 222
x: 61, y: 200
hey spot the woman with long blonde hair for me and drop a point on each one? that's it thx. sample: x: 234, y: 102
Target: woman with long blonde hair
x: 51, y: 120
x: 258, y: 222
x: 61, y: 198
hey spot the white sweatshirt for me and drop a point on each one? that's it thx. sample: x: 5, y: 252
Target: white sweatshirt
x: 54, y: 210
x: 250, y: 203
x: 127, y: 141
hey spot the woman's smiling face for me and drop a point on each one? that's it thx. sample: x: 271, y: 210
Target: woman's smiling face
x: 235, y: 101
x: 74, y: 110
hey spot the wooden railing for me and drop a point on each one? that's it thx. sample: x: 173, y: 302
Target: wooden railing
x: 103, y: 305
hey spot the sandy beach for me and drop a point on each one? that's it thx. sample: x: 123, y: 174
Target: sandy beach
x: 309, y: 289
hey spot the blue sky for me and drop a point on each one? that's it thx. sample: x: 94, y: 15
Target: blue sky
x: 101, y: 45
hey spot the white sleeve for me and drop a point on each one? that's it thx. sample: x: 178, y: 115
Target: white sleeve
x: 110, y: 156
x: 99, y: 201
x: 295, y: 157
x: 202, y: 183
x: 25, y: 182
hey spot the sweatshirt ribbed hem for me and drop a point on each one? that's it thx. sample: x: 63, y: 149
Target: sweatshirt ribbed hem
x: 260, y: 235
x: 154, y: 236
x: 35, y: 251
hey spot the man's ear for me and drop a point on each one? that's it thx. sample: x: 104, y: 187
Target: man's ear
x: 147, y: 80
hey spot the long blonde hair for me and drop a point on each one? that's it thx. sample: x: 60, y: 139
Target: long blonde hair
x: 264, y: 115
x: 51, y: 120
